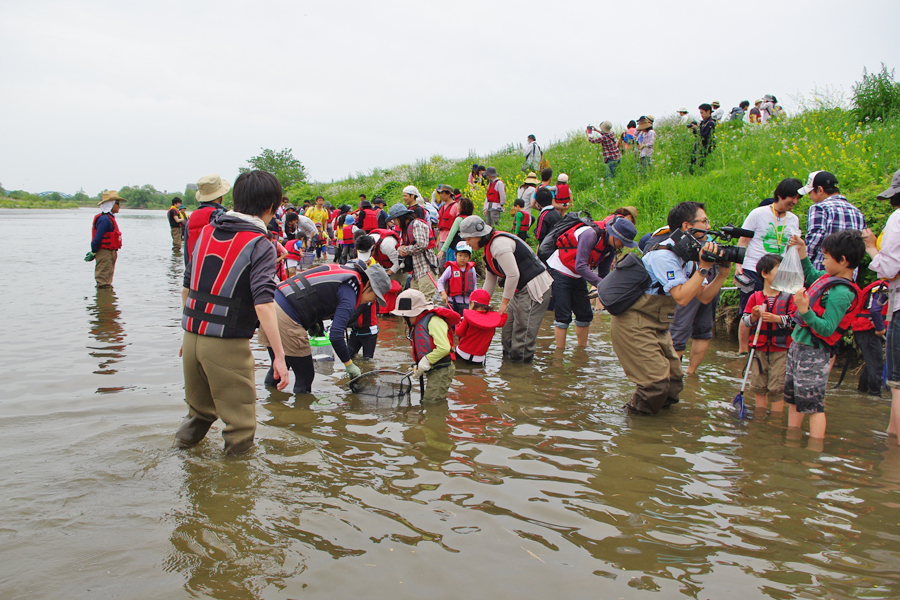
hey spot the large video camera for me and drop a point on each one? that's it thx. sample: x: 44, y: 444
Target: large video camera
x: 689, y: 247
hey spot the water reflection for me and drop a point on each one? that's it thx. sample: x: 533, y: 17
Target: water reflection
x: 106, y: 328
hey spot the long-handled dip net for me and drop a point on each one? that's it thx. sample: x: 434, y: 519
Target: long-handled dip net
x: 382, y: 383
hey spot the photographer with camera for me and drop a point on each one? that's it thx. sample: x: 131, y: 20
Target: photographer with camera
x: 677, y: 268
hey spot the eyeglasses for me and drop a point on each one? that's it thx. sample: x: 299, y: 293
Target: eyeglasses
x: 704, y: 221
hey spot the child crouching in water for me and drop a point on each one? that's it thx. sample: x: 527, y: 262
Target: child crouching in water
x: 776, y: 309
x: 458, y: 280
x: 477, y: 328
x: 431, y: 334
x: 825, y: 309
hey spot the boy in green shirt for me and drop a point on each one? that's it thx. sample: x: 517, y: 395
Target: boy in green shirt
x: 825, y: 309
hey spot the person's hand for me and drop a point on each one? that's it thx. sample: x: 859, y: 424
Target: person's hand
x: 423, y: 367
x: 869, y: 239
x: 352, y: 370
x: 768, y: 317
x: 796, y: 240
x: 881, y: 333
x: 709, y: 247
x: 444, y: 297
x: 738, y: 269
x: 401, y: 251
x: 280, y: 372
x: 502, y: 308
x: 755, y: 312
x: 441, y: 256
x: 181, y: 350
x: 89, y: 257
x: 801, y: 299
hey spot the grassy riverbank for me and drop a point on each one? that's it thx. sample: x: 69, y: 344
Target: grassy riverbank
x: 48, y: 204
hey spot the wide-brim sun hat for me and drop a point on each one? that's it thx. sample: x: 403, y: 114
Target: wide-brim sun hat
x: 210, y: 187
x: 111, y: 196
x: 631, y: 211
x: 624, y: 231
x: 398, y: 210
x: 490, y: 172
x: 380, y: 282
x: 532, y: 178
x: 411, y: 303
x: 474, y: 226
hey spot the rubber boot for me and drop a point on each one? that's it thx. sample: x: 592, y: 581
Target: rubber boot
x: 304, y: 372
x: 270, y: 376
x: 191, y: 431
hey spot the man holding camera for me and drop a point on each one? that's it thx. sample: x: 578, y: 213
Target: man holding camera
x: 640, y: 335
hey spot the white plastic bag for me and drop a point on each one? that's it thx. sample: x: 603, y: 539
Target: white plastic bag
x: 790, y: 272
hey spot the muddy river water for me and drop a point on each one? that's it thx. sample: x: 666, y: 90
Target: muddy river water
x: 530, y: 483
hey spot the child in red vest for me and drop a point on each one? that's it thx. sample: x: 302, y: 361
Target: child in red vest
x: 431, y: 334
x: 776, y: 309
x: 563, y: 196
x: 476, y: 330
x: 868, y: 333
x: 824, y: 310
x: 458, y: 280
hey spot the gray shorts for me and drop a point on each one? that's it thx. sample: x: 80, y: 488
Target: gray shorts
x: 806, y: 377
x: 694, y: 321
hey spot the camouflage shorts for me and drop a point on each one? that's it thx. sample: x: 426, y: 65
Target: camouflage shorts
x: 806, y: 377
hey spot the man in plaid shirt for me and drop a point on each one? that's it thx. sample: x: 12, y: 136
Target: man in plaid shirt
x: 416, y: 249
x: 608, y: 144
x: 830, y: 213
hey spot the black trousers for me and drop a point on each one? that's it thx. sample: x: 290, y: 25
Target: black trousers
x: 872, y: 348
x: 365, y: 342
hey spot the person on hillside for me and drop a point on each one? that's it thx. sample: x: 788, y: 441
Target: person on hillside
x: 448, y: 248
x: 458, y: 280
x: 767, y: 108
x: 584, y: 255
x: 525, y: 193
x: 754, y: 112
x: 176, y: 222
x: 640, y: 334
x: 562, y: 198
x: 526, y: 291
x: 496, y: 197
x: 219, y: 320
x: 447, y: 212
x: 626, y: 140
x: 768, y: 224
x: 886, y: 264
x: 477, y: 328
x: 683, y: 117
x: 739, y: 112
x: 417, y: 243
x: 830, y: 212
x: 474, y: 177
x: 644, y: 139
x: 548, y: 217
x: 705, y: 133
x: 211, y: 189
x: 521, y: 219
x: 533, y: 155
x: 718, y: 113
x: 106, y: 239
x: 609, y: 146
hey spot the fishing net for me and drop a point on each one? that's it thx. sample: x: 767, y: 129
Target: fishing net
x: 382, y: 383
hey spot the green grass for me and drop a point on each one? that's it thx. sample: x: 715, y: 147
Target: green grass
x: 13, y: 203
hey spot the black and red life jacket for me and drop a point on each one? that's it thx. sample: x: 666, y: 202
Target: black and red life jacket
x: 458, y: 285
x: 528, y: 263
x: 294, y: 250
x: 862, y: 322
x: 313, y: 293
x: 347, y: 234
x: 563, y: 195
x: 112, y: 240
x: 380, y: 257
x: 368, y: 219
x: 526, y: 222
x: 422, y: 343
x: 220, y: 303
x: 446, y: 216
x: 368, y: 318
x: 199, y: 219
x: 816, y: 293
x: 567, y: 244
x: 492, y: 194
x: 408, y: 239
x: 773, y: 336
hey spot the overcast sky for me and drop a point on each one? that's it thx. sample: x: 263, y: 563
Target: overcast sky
x: 102, y: 94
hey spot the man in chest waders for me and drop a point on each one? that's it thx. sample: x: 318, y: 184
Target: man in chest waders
x: 640, y: 334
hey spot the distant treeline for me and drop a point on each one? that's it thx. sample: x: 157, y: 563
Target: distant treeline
x: 144, y: 196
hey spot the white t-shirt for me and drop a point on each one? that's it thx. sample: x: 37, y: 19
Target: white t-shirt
x: 769, y: 234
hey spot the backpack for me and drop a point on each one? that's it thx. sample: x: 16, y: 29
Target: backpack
x: 545, y: 164
x: 548, y: 246
x: 624, y: 285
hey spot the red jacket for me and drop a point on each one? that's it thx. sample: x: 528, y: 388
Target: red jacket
x: 476, y: 330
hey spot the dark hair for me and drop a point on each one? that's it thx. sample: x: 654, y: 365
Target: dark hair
x: 339, y: 222
x: 317, y: 198
x: 684, y: 211
x: 481, y: 168
x: 546, y: 174
x: 377, y: 199
x: 363, y: 196
x: 705, y: 107
x: 466, y: 207
x: 256, y: 193
x: 543, y: 197
x: 894, y: 200
x: 363, y: 242
x: 291, y: 217
x: 519, y: 202
x: 307, y: 202
x: 532, y: 138
x: 456, y: 192
x: 176, y: 199
x: 631, y: 124
x: 788, y: 188
x: 745, y: 104
x: 766, y: 263
x: 846, y: 244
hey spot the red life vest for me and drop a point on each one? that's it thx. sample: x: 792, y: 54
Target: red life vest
x: 348, y: 235
x: 220, y: 303
x: 528, y: 263
x: 112, y: 240
x: 568, y: 246
x: 368, y: 219
x: 313, y: 293
x: 294, y: 250
x: 367, y: 318
x: 817, y: 291
x: 863, y: 322
x: 446, y: 216
x: 562, y: 193
x: 526, y: 222
x: 423, y: 344
x: 459, y: 280
x: 409, y: 240
x: 492, y: 194
x: 771, y: 335
x: 199, y: 219
x: 380, y: 257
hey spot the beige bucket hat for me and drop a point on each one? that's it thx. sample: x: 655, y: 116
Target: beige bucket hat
x: 110, y: 196
x: 411, y: 303
x: 210, y: 187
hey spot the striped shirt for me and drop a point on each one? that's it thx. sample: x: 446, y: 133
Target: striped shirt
x: 833, y: 214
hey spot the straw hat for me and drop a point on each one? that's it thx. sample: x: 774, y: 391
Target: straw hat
x: 111, y: 196
x: 210, y: 187
x: 532, y: 178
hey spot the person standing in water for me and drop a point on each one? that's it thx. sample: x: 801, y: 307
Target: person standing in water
x: 106, y: 239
